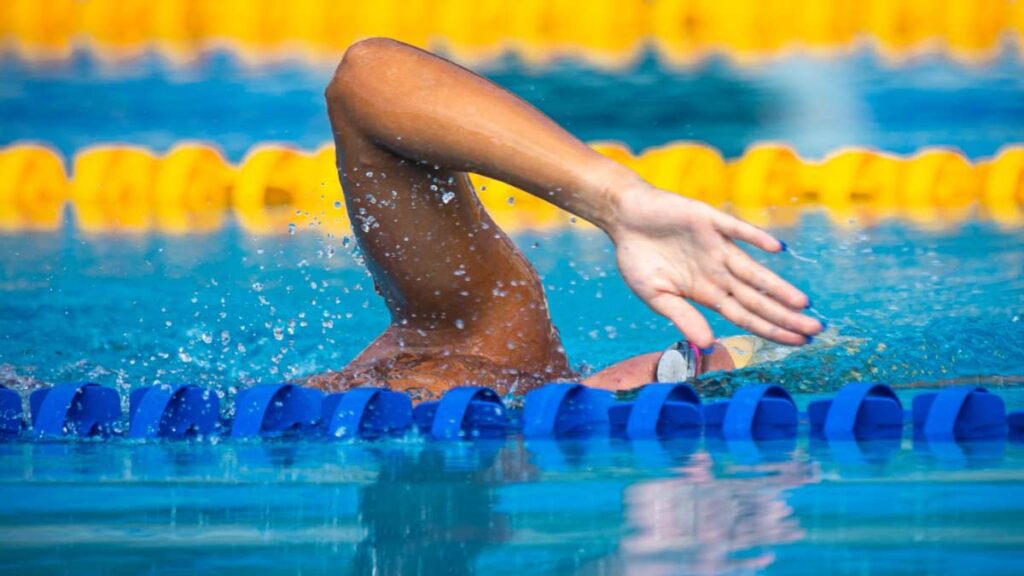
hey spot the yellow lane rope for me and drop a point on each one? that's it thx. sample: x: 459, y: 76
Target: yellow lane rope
x: 192, y: 188
x: 609, y: 32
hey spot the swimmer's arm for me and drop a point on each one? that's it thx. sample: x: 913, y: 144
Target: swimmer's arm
x: 426, y: 108
x: 669, y: 248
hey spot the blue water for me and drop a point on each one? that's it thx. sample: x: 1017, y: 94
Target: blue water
x: 228, y: 309
x: 512, y: 507
x: 910, y: 307
x: 815, y: 104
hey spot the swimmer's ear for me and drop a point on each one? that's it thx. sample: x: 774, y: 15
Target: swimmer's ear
x: 685, y: 317
x: 739, y: 230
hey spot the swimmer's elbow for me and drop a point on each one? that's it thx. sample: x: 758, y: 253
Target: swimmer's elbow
x: 359, y: 61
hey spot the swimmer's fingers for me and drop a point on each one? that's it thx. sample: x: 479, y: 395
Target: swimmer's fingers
x: 738, y: 314
x: 685, y: 317
x: 773, y: 312
x: 763, y: 280
x: 721, y: 296
x: 739, y: 230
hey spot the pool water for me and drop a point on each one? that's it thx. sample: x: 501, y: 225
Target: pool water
x: 912, y: 307
x: 903, y: 306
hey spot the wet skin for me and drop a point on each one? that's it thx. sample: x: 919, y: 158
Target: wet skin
x: 466, y: 306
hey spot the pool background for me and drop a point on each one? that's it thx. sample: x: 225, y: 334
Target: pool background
x: 233, y: 308
x: 815, y: 104
x: 907, y: 304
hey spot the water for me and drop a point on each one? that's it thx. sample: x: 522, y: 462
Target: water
x: 814, y: 104
x: 911, y: 307
x: 231, y: 309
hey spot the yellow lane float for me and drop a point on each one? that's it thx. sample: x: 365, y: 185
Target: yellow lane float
x: 767, y: 184
x: 277, y: 189
x: 693, y: 170
x: 938, y: 187
x: 33, y: 188
x: 1002, y: 195
x: 191, y: 190
x: 604, y: 32
x: 858, y: 187
x: 112, y: 187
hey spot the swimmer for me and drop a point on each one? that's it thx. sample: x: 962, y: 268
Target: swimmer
x: 466, y: 306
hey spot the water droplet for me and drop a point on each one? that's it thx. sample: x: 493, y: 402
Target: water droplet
x: 278, y: 334
x: 369, y: 173
x: 447, y: 197
x: 257, y: 287
x: 291, y: 228
x: 206, y: 337
x: 511, y: 200
x: 460, y: 324
x: 337, y: 203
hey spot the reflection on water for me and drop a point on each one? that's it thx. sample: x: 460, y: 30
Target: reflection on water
x: 430, y: 512
x: 505, y: 507
x: 698, y: 523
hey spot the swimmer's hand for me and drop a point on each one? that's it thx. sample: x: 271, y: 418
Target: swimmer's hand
x: 670, y: 248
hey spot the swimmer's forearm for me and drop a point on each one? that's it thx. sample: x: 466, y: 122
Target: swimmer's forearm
x: 429, y: 110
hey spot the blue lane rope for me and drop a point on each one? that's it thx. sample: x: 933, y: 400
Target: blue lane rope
x: 863, y: 411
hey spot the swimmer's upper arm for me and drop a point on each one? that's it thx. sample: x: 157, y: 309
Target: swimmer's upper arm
x: 357, y: 58
x: 429, y: 110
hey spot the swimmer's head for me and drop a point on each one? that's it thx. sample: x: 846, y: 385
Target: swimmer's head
x: 679, y: 363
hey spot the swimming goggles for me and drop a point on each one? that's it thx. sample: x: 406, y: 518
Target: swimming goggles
x: 679, y: 363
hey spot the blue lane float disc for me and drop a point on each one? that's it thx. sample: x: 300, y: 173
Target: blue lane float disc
x: 276, y: 409
x: 366, y: 413
x: 11, y: 419
x: 858, y: 411
x: 172, y: 411
x: 959, y: 413
x: 754, y: 412
x: 464, y: 412
x: 566, y: 410
x: 79, y: 410
x: 659, y: 411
